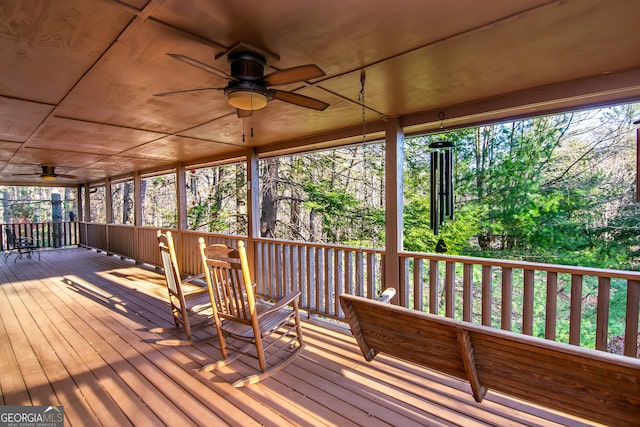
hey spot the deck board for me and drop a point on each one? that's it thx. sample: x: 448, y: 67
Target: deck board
x: 75, y: 332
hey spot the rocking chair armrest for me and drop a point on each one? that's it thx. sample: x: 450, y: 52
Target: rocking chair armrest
x: 192, y: 278
x: 286, y: 300
x: 195, y: 291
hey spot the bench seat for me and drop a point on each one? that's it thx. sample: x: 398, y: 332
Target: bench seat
x: 592, y: 384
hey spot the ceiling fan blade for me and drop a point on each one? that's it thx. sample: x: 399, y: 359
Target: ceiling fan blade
x: 297, y: 99
x: 294, y: 74
x: 61, y: 175
x: 179, y: 92
x: 25, y: 174
x: 244, y: 113
x: 201, y: 65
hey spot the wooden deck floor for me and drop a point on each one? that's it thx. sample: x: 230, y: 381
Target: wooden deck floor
x: 74, y: 332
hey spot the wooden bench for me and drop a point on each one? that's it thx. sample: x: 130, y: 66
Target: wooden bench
x: 591, y: 384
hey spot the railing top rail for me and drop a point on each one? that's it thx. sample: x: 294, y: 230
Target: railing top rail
x: 527, y: 265
x: 206, y: 233
x: 321, y: 245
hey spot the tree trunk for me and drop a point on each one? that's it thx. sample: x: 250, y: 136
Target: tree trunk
x: 127, y: 203
x: 269, y: 206
x: 241, y: 200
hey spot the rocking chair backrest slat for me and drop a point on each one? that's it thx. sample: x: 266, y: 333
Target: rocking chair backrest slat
x: 228, y: 283
x: 170, y: 263
x: 166, y: 264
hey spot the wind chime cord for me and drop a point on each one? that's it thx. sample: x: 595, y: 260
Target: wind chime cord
x: 361, y: 101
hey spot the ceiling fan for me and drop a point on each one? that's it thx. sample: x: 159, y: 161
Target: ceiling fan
x: 48, y: 173
x: 249, y: 89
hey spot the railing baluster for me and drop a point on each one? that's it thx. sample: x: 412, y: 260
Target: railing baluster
x: 321, y: 278
x: 312, y: 278
x: 507, y: 299
x: 276, y: 268
x: 487, y: 297
x: 602, y: 314
x: 552, y: 295
x: 339, y: 281
x: 527, y: 301
x: 418, y: 284
x: 449, y: 283
x: 631, y: 322
x: 287, y: 281
x: 295, y: 268
x: 257, y: 264
x: 467, y: 292
x: 349, y: 272
x: 575, y: 316
x: 360, y: 280
x: 371, y: 274
x: 434, y: 279
x: 382, y: 273
x: 268, y: 268
x: 403, y: 285
x: 301, y: 267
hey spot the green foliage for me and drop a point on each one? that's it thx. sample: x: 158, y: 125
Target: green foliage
x: 21, y: 211
x: 418, y: 236
x: 340, y: 211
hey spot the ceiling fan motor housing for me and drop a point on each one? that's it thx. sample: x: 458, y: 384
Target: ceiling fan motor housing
x: 247, y: 65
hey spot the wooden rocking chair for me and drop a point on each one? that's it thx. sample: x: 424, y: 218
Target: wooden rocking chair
x: 272, y: 330
x: 184, y: 305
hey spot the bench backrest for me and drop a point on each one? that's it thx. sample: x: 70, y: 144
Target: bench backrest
x: 592, y: 384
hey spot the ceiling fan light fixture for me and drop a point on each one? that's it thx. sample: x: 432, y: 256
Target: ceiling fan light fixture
x: 48, y: 177
x: 247, y: 99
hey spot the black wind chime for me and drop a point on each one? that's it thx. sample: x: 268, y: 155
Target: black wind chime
x: 441, y: 187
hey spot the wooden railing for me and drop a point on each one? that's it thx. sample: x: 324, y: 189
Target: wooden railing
x: 44, y: 234
x: 538, y: 299
x: 531, y: 298
x: 320, y: 272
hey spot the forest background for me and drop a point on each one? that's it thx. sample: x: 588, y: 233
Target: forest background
x: 556, y: 189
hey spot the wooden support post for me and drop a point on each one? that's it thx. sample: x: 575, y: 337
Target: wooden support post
x: 637, y: 162
x: 394, y: 161
x: 181, y: 198
x: 137, y: 213
x: 253, y: 207
x: 80, y: 204
x: 108, y: 205
x: 108, y: 201
x: 87, y: 203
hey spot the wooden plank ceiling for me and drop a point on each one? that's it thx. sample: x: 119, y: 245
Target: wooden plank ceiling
x: 78, y: 77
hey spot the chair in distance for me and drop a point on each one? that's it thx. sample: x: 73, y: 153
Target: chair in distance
x: 19, y: 246
x: 268, y: 332
x: 185, y: 305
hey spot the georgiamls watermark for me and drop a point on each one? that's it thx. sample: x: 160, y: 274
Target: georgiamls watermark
x: 31, y: 416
